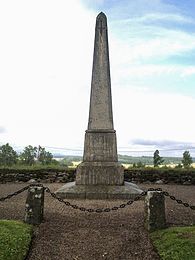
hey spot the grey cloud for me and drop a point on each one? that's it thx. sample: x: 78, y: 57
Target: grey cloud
x: 163, y: 144
x: 2, y: 130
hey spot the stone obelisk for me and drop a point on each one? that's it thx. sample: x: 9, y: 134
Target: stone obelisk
x: 100, y: 162
x: 100, y: 175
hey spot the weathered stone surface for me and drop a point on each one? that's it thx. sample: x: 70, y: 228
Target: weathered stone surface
x: 72, y: 191
x: 34, y: 205
x: 100, y: 173
x: 155, y: 211
x: 159, y: 182
x: 32, y: 181
x: 100, y: 114
x: 100, y: 146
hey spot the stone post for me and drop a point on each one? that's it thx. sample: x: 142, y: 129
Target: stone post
x: 34, y: 205
x: 155, y: 211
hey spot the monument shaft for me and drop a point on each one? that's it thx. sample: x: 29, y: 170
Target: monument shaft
x: 100, y: 113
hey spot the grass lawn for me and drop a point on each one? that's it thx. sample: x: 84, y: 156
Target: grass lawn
x: 15, y: 239
x: 177, y: 243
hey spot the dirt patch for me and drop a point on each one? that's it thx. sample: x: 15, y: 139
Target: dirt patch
x: 70, y: 234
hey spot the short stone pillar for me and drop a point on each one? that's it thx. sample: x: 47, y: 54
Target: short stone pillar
x: 34, y: 205
x: 155, y: 211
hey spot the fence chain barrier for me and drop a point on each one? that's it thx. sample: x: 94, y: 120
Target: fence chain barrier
x: 129, y: 202
x: 9, y: 196
x: 99, y: 210
x: 165, y: 193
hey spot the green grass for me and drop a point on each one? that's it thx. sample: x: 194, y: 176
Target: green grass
x: 177, y: 243
x: 15, y: 239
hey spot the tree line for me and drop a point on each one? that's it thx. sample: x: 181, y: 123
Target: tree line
x: 29, y: 156
x: 158, y: 160
x: 38, y: 155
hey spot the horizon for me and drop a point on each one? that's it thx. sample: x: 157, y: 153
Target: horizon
x: 45, y: 73
x: 56, y: 151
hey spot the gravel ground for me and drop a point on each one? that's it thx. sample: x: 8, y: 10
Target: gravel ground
x: 69, y: 234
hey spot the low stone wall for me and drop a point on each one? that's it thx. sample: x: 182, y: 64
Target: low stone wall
x: 38, y: 175
x: 144, y: 175
x: 161, y: 176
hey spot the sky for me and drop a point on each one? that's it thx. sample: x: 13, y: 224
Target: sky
x: 46, y: 51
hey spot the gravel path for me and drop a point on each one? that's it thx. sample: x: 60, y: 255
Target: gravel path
x: 73, y: 235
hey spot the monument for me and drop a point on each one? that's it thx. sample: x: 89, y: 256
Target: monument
x: 100, y: 175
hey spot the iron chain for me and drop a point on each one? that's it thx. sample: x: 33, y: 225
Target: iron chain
x: 185, y: 204
x: 98, y: 210
x: 9, y: 196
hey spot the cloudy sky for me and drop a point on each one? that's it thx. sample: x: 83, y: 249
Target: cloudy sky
x: 46, y: 50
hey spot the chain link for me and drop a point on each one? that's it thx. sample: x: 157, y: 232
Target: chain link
x: 98, y: 210
x: 9, y: 196
x: 185, y: 204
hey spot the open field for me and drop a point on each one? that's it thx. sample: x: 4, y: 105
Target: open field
x: 172, y: 165
x: 128, y: 161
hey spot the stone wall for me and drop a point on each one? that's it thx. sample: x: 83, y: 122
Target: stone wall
x: 47, y: 176
x: 161, y: 176
x: 145, y: 175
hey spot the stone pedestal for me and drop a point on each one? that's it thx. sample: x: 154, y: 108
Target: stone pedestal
x: 73, y: 191
x: 100, y: 146
x: 100, y: 163
x: 100, y: 173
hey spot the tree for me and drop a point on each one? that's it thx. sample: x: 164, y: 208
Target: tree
x: 187, y: 159
x: 31, y: 155
x: 157, y: 160
x: 8, y: 156
x: 43, y: 156
x: 134, y: 165
x: 28, y: 155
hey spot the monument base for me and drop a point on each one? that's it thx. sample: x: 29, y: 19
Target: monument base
x: 73, y: 191
x: 99, y: 173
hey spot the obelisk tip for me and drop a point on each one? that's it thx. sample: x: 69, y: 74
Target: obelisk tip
x: 101, y: 16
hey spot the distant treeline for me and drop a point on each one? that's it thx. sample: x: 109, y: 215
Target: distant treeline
x: 126, y: 159
x: 32, y: 156
x: 147, y: 160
